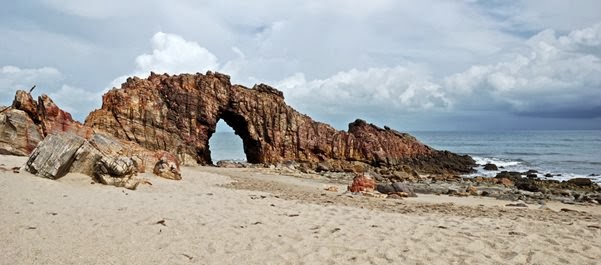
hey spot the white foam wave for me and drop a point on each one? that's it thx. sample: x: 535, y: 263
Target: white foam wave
x: 499, y: 162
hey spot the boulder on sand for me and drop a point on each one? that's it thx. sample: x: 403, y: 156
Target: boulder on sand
x: 396, y: 187
x: 362, y: 183
x: 53, y: 157
x: 108, y: 160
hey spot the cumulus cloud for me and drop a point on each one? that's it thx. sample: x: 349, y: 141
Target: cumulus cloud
x: 403, y: 88
x: 550, y: 76
x: 174, y: 55
x: 13, y: 78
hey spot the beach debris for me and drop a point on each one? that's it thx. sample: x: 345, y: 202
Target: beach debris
x: 187, y: 256
x: 514, y: 233
x: 292, y: 215
x: 255, y: 197
x: 362, y: 183
x: 519, y: 204
x: 332, y: 189
x: 335, y: 230
x: 567, y: 210
x: 161, y: 222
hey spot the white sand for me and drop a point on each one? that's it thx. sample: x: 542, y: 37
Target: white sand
x: 71, y: 221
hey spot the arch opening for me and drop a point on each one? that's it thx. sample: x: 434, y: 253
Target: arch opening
x: 232, y: 140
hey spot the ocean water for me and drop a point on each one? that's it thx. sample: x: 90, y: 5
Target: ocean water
x: 567, y: 153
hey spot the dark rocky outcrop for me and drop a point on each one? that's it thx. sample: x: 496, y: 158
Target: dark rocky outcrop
x: 180, y: 113
x: 490, y: 167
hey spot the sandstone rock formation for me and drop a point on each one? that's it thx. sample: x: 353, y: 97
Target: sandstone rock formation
x: 108, y: 160
x: 53, y: 157
x: 179, y: 114
x: 27, y: 122
x: 57, y: 144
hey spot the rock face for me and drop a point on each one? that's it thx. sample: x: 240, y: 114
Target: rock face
x: 180, y: 113
x: 53, y: 158
x: 27, y: 122
x: 108, y: 160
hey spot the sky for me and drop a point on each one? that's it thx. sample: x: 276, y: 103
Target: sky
x: 410, y: 65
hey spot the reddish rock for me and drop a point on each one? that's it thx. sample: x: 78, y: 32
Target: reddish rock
x: 179, y: 114
x: 362, y: 183
x: 27, y: 122
x: 53, y: 119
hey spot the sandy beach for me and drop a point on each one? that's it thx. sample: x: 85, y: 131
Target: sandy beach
x: 251, y: 216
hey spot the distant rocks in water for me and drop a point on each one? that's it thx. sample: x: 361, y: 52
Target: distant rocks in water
x: 231, y: 164
x: 532, y: 183
x: 179, y: 113
x: 490, y: 167
x: 508, y: 174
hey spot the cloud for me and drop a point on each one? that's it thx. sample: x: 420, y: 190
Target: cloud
x: 436, y: 55
x: 96, y: 9
x: 75, y: 100
x: 13, y: 78
x: 549, y: 76
x: 400, y: 88
x: 173, y: 54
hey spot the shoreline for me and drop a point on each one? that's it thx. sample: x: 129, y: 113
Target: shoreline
x: 206, y: 218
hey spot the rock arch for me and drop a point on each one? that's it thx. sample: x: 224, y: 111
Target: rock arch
x: 179, y: 114
x: 251, y: 146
